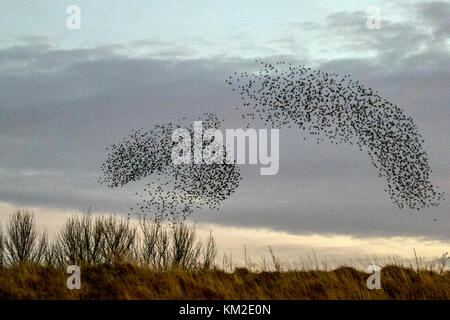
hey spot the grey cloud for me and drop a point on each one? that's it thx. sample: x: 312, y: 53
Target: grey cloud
x: 60, y: 108
x: 436, y: 14
x: 396, y: 41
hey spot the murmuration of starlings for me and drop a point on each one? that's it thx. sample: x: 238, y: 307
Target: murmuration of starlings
x: 177, y: 189
x: 333, y: 107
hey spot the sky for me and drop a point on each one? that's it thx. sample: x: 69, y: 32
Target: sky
x: 67, y: 94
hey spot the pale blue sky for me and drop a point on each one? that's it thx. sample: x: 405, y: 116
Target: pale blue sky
x: 231, y: 27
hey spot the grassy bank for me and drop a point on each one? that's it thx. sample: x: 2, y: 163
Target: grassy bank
x: 126, y: 281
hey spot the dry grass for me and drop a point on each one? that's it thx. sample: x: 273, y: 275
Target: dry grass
x: 125, y: 281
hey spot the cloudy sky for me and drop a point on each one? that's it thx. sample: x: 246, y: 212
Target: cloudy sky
x: 67, y: 94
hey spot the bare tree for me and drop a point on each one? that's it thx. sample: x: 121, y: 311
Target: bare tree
x: 119, y: 239
x: 185, y: 249
x: 53, y: 255
x: 93, y: 238
x: 21, y: 242
x: 149, y: 247
x: 82, y: 240
x: 209, y: 252
x: 41, y: 248
x: 71, y: 241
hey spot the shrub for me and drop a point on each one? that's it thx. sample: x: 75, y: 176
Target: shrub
x: 185, y: 249
x: 87, y: 240
x: 22, y: 243
x: 119, y: 239
x: 81, y: 240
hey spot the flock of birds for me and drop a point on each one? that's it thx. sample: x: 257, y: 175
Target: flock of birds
x: 326, y: 105
x: 177, y: 189
x: 334, y: 107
